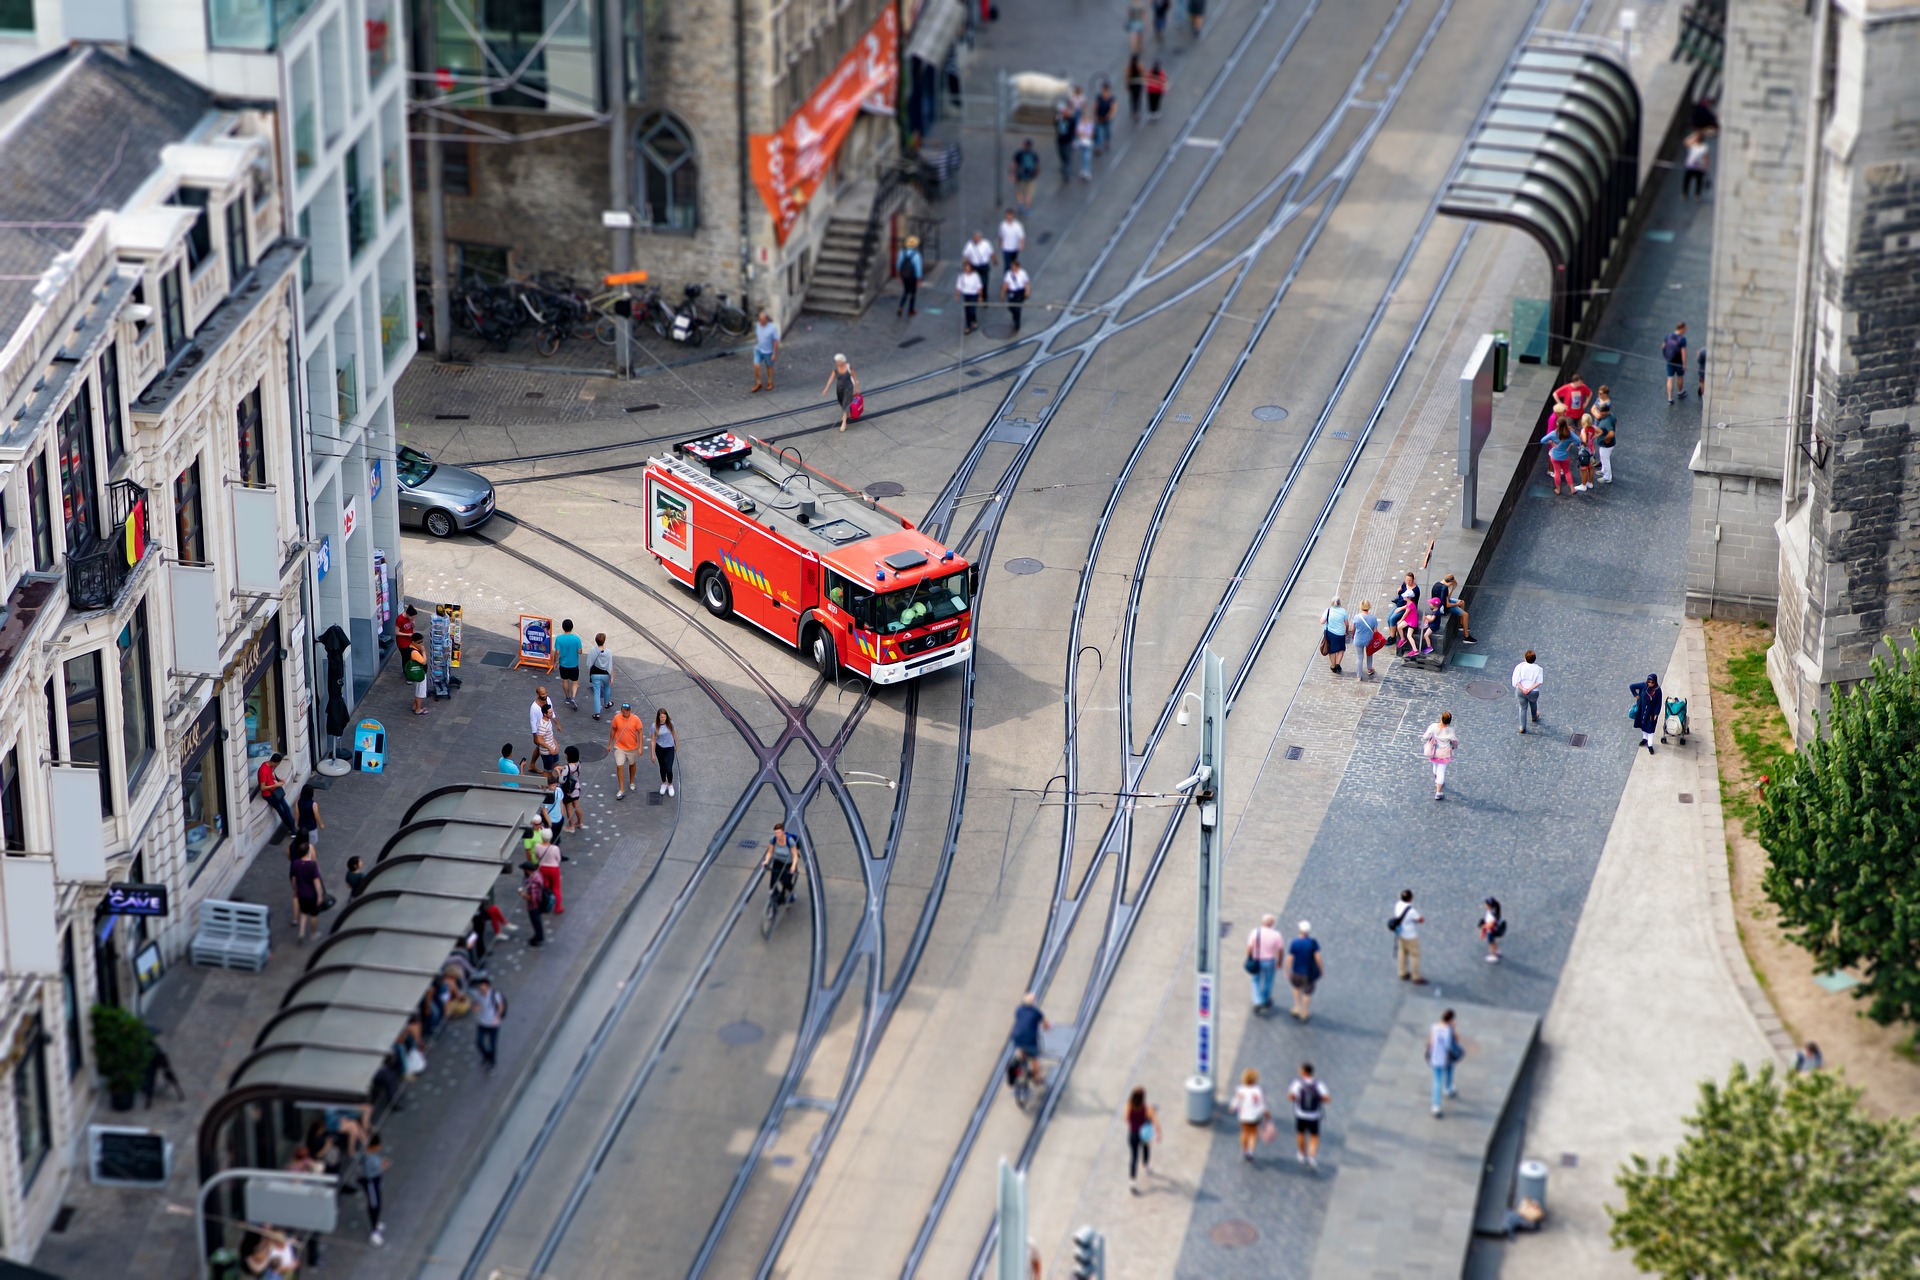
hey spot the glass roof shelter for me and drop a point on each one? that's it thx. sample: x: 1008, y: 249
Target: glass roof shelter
x: 330, y: 1044
x: 1557, y: 155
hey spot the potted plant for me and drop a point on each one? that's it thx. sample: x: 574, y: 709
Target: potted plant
x: 123, y: 1049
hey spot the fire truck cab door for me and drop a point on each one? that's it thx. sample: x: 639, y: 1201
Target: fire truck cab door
x: 809, y: 584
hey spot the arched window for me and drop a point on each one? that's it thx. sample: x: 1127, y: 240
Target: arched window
x: 668, y: 173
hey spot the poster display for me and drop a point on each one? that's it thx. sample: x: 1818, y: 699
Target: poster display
x: 536, y: 643
x: 382, y: 592
x: 670, y: 525
x: 453, y: 613
x: 440, y: 657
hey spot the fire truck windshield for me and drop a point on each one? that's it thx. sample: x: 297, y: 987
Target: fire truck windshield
x: 933, y: 600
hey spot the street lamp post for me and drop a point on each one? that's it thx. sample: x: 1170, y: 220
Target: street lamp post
x: 1206, y: 799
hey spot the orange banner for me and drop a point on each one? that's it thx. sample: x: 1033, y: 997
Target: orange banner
x: 788, y: 165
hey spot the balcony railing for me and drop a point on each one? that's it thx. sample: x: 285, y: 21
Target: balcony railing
x: 96, y: 574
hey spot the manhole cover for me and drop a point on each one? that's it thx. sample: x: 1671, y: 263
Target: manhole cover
x: 1577, y: 740
x: 1486, y: 690
x: 1024, y: 564
x: 741, y: 1032
x: 1295, y: 753
x: 1234, y: 1233
x: 1686, y: 797
x: 1270, y: 413
x: 591, y: 752
x: 1385, y: 504
x: 885, y: 489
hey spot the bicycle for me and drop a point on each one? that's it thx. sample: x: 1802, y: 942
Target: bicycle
x: 1023, y: 1079
x: 779, y: 895
x: 647, y: 309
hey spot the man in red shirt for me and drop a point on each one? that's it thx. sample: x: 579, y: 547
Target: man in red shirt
x: 1578, y: 397
x: 276, y: 795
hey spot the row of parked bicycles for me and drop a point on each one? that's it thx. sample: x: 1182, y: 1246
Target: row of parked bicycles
x: 559, y: 312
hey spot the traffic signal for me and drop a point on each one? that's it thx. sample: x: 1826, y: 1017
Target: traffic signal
x: 1089, y: 1255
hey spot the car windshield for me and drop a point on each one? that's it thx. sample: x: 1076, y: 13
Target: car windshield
x: 933, y: 600
x: 414, y: 466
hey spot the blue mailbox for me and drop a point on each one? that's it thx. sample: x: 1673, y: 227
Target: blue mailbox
x: 370, y: 747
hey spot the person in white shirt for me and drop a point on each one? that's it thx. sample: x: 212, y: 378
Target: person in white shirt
x: 968, y: 289
x: 1013, y: 287
x: 1013, y: 238
x: 1406, y: 938
x: 1440, y: 742
x: 1250, y: 1109
x: 1527, y: 679
x: 978, y: 254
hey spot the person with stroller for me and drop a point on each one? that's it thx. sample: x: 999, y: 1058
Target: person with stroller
x: 1646, y: 708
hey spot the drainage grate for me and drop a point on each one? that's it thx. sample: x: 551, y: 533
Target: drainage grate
x: 496, y: 659
x: 1183, y: 417
x: 1577, y: 740
x: 450, y: 417
x: 655, y: 798
x: 914, y: 341
x: 1024, y: 565
x: 641, y: 408
x: 1568, y: 1160
x: 63, y: 1218
x: 1294, y: 753
x: 975, y: 373
x: 1341, y: 435
x: 1038, y: 391
x: 748, y: 844
x: 1385, y: 504
x: 1686, y: 797
x: 536, y: 395
x: 885, y: 489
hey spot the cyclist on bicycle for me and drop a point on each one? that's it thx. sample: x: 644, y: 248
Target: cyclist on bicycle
x: 782, y: 861
x: 1028, y: 1023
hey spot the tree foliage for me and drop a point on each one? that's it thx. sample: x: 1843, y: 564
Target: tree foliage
x: 1776, y: 1180
x: 1841, y: 829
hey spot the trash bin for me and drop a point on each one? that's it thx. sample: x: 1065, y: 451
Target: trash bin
x: 1199, y: 1100
x: 1532, y: 1182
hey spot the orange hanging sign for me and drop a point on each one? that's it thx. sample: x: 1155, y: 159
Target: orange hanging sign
x: 789, y: 165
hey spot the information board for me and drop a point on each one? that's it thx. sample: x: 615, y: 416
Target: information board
x: 536, y: 642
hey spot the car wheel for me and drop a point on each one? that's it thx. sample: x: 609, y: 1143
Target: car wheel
x: 440, y: 524
x: 716, y: 594
x: 820, y: 649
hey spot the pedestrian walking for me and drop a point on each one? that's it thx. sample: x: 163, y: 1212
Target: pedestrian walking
x: 1143, y: 1130
x: 1250, y: 1108
x: 356, y: 877
x: 566, y: 656
x: 1263, y: 957
x: 1156, y: 89
x: 663, y: 748
x: 546, y: 741
x: 1083, y: 141
x: 1646, y: 709
x: 978, y: 254
x: 275, y: 794
x: 373, y: 1170
x: 1405, y: 923
x: 548, y: 852
x: 570, y: 789
x: 624, y: 738
x: 1560, y: 444
x: 1161, y: 8
x: 844, y: 383
x: 1440, y: 742
x: 1136, y: 86
x: 413, y: 669
x: 1443, y: 1051
x: 1013, y: 287
x: 600, y: 674
x: 1063, y: 126
x: 1334, y: 628
x: 307, y: 813
x: 536, y: 713
x: 490, y: 1010
x: 1586, y: 454
x: 909, y: 266
x: 309, y: 891
x: 1013, y: 239
x: 1026, y: 171
x: 968, y: 289
x: 535, y: 895
x: 1673, y: 349
x: 1527, y: 679
x: 766, y: 347
x: 1304, y: 970
x: 1197, y: 12
x: 1136, y: 26
x: 1310, y: 1098
x: 1367, y: 639
x: 1105, y: 108
x: 1698, y: 156
x: 1493, y: 927
x: 1605, y: 429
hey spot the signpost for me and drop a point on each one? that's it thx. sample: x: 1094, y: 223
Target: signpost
x: 1206, y: 798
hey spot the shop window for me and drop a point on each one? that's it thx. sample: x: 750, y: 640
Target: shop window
x: 32, y: 1108
x: 202, y: 784
x: 190, y: 527
x: 136, y: 695
x: 87, y: 722
x: 70, y: 1000
x: 78, y: 486
x: 237, y: 255
x: 266, y: 725
x: 253, y: 447
x: 39, y: 513
x: 173, y: 314
x: 12, y: 813
x: 669, y: 173
x: 110, y: 407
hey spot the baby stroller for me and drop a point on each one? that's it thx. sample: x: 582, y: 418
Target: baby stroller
x: 1675, y: 722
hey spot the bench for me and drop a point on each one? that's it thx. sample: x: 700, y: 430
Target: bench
x: 232, y: 935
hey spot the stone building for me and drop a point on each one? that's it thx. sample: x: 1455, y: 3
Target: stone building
x: 720, y: 98
x: 1815, y: 328
x: 150, y: 552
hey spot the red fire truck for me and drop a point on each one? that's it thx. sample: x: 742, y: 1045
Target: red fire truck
x: 807, y: 560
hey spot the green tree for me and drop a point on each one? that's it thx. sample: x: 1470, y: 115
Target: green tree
x: 1776, y: 1180
x: 1841, y: 827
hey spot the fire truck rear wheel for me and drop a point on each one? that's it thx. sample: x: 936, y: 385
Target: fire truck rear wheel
x: 820, y: 650
x: 715, y: 593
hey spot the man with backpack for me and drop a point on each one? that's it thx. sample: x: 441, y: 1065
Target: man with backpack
x: 1026, y: 171
x: 1309, y: 1098
x: 910, y: 267
x: 538, y: 899
x: 490, y: 1010
x: 1673, y: 349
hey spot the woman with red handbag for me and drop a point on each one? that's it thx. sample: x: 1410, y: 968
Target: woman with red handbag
x: 844, y: 383
x: 1367, y: 637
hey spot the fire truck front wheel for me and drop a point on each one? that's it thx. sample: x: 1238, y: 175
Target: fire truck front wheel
x: 821, y: 652
x: 715, y: 593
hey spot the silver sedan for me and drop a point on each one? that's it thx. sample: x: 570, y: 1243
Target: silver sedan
x: 442, y: 500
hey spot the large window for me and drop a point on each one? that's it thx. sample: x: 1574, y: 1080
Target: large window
x: 668, y: 174
x: 33, y: 1110
x: 78, y: 503
x: 136, y: 695
x: 173, y: 314
x: 202, y: 790
x: 16, y: 17
x: 237, y: 255
x: 70, y: 1000
x: 253, y: 24
x: 39, y: 513
x: 253, y: 446
x: 87, y: 721
x: 12, y: 813
x: 200, y: 235
x: 545, y: 48
x: 191, y: 542
x: 110, y: 407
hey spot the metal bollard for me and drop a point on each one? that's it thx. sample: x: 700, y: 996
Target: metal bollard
x: 1532, y: 1182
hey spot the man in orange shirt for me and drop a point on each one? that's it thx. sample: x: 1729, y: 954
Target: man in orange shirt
x: 623, y: 738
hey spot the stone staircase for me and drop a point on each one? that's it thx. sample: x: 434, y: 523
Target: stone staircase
x: 847, y: 271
